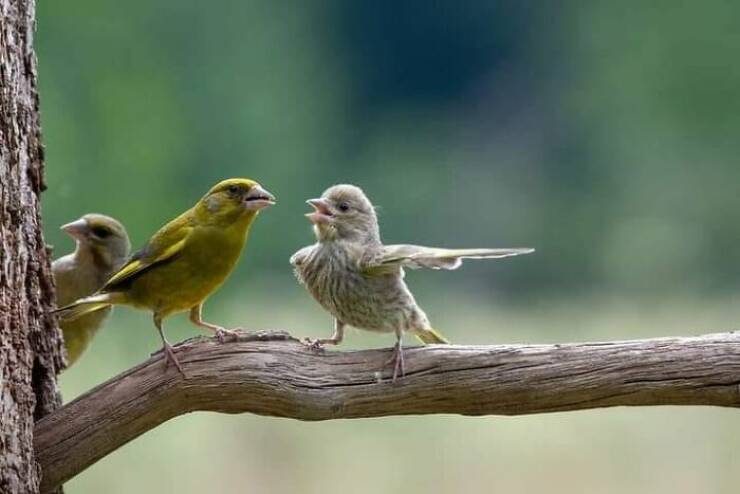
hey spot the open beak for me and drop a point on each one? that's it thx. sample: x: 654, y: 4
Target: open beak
x: 258, y: 198
x: 77, y: 229
x: 321, y: 213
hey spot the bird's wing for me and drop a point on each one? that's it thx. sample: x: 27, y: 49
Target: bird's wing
x: 163, y: 246
x: 392, y: 257
x: 297, y: 259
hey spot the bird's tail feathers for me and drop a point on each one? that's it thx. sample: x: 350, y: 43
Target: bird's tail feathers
x: 85, y: 305
x: 431, y: 336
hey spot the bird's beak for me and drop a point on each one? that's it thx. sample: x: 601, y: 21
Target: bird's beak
x: 77, y: 229
x: 321, y: 213
x: 258, y: 198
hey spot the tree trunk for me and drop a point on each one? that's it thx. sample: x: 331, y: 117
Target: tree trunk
x: 30, y: 343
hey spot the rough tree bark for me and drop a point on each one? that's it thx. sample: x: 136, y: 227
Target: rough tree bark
x: 285, y: 379
x: 30, y: 343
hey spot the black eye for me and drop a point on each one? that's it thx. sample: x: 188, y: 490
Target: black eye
x: 101, y: 232
x: 234, y: 190
x: 343, y: 206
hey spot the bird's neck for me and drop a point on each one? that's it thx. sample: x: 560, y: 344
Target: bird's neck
x: 326, y: 234
x: 89, y: 256
x: 233, y: 218
x: 365, y: 242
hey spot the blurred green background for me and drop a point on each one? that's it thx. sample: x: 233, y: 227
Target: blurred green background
x: 605, y: 134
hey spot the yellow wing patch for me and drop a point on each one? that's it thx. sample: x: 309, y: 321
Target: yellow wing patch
x: 137, y: 265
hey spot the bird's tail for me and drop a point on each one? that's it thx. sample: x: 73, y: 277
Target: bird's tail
x: 85, y: 305
x: 431, y: 336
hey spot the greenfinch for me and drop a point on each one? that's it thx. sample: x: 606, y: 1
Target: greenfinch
x: 360, y: 281
x: 102, y: 246
x: 185, y: 261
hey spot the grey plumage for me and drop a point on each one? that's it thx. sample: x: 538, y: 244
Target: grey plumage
x: 359, y: 280
x: 102, y: 246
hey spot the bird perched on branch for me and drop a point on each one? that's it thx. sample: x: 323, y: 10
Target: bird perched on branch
x: 360, y: 281
x: 102, y: 247
x: 185, y: 261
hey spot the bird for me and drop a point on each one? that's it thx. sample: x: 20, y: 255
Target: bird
x: 360, y: 281
x: 185, y: 261
x: 102, y: 247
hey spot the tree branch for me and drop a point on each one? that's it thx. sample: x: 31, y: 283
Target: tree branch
x: 286, y: 379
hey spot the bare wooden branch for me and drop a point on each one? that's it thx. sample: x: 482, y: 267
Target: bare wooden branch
x: 286, y: 379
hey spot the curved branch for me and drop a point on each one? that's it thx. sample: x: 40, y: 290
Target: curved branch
x: 286, y: 379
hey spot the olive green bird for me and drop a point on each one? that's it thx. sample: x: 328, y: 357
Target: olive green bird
x: 360, y: 281
x: 185, y: 261
x: 102, y: 247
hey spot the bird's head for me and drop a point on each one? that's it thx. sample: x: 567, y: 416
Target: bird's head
x: 344, y: 212
x: 233, y: 199
x: 102, y: 235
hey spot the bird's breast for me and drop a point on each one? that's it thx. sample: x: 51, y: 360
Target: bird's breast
x: 376, y: 303
x: 192, y: 275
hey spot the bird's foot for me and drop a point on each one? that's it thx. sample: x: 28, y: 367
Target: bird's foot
x: 169, y: 356
x: 397, y: 361
x: 223, y: 335
x: 318, y: 343
x: 315, y: 344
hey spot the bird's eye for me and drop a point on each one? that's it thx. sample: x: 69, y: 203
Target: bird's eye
x: 343, y: 206
x: 234, y: 190
x: 101, y: 232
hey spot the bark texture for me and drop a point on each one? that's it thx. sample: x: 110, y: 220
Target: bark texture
x: 286, y: 379
x: 30, y: 343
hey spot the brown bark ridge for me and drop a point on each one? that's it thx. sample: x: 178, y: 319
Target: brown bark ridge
x: 30, y: 343
x: 273, y: 374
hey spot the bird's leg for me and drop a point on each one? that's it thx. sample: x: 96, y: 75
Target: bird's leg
x: 397, y: 358
x: 335, y: 339
x: 169, y: 352
x: 219, y: 332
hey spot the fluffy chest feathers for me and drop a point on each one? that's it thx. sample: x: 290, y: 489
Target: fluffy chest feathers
x: 332, y: 274
x: 328, y: 271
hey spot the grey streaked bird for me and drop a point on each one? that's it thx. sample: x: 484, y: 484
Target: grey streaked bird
x: 102, y: 246
x: 360, y: 281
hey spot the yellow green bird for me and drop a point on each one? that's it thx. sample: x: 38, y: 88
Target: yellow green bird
x: 185, y: 261
x: 102, y: 247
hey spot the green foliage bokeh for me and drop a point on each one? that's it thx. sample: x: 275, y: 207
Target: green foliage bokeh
x: 604, y: 134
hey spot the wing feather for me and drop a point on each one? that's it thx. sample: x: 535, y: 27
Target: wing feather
x: 163, y: 246
x: 393, y: 257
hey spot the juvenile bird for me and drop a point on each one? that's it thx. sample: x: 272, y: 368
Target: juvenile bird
x: 360, y: 281
x: 102, y: 247
x: 185, y: 261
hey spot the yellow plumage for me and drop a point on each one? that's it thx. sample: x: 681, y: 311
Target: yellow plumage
x: 431, y: 337
x: 186, y: 260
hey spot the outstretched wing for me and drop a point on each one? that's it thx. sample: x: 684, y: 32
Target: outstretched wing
x: 163, y: 246
x: 393, y: 257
